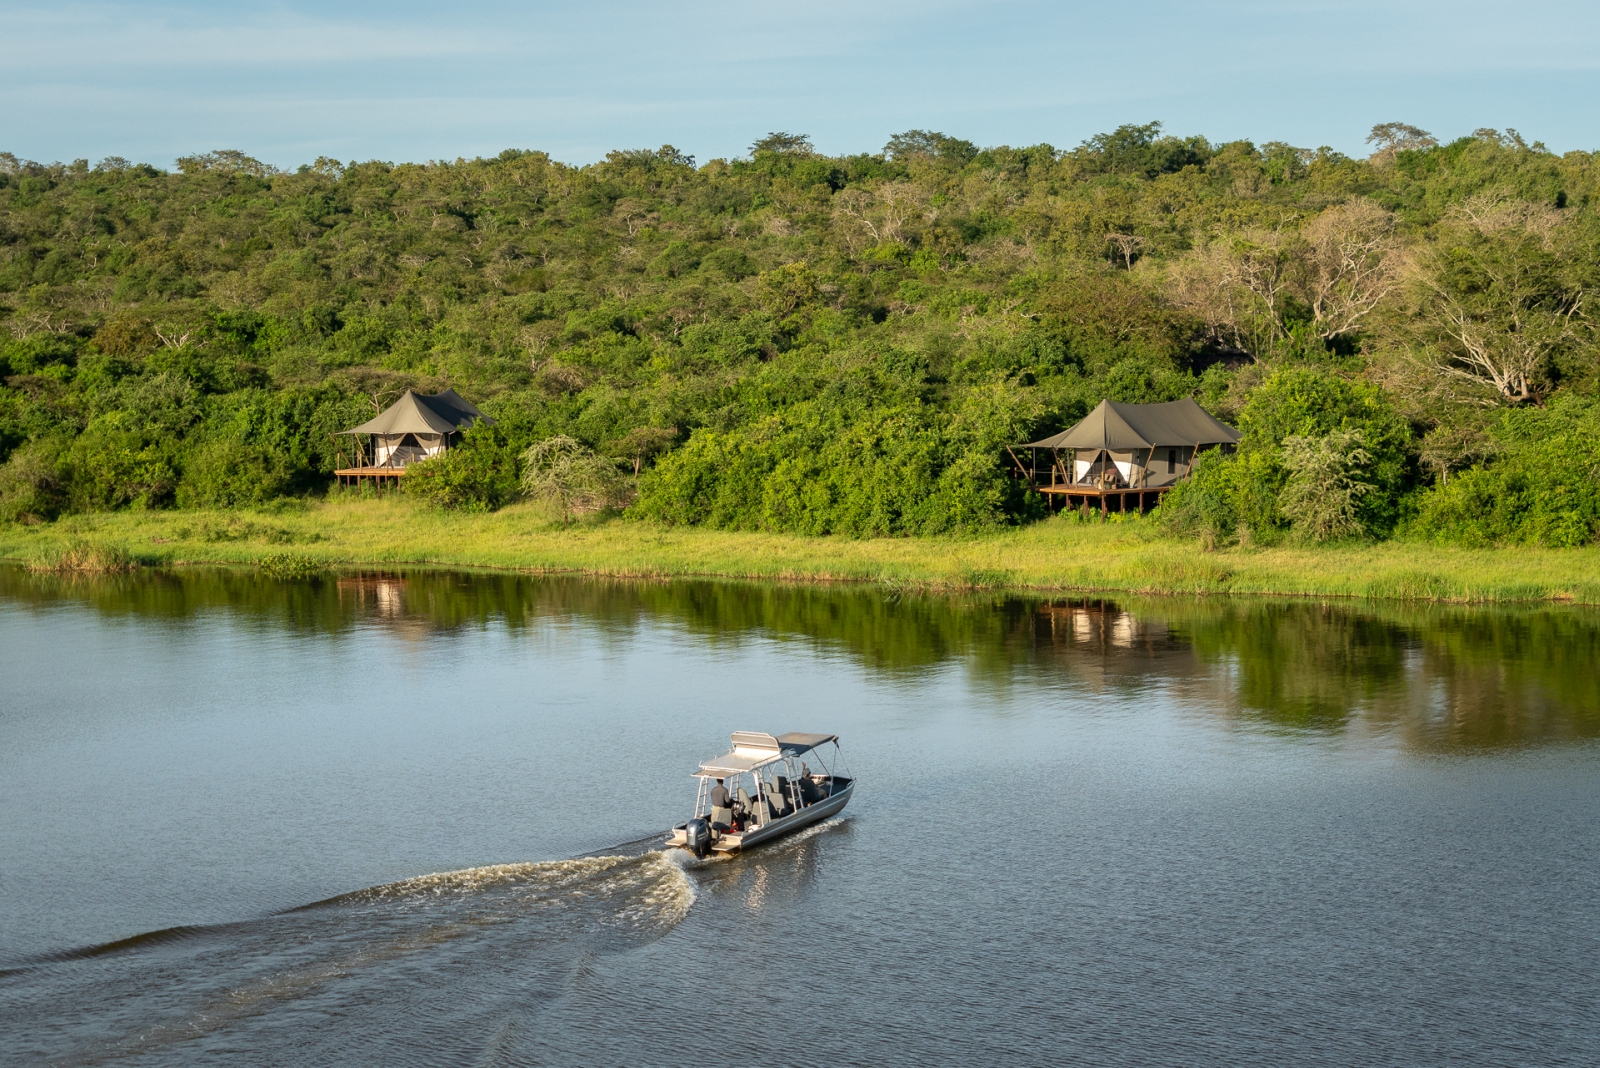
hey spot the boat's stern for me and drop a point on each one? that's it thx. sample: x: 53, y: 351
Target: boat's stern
x: 682, y: 837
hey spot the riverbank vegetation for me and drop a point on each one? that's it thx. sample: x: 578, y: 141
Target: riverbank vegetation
x: 294, y: 538
x: 797, y: 344
x: 79, y: 555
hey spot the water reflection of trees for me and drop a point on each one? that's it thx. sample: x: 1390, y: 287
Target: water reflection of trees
x: 1298, y: 665
x: 1437, y: 678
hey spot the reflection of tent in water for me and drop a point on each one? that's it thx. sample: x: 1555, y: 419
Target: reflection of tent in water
x: 384, y: 593
x: 1103, y: 625
x: 1123, y: 451
x: 413, y: 428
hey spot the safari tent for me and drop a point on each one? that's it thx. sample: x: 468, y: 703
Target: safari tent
x: 413, y: 428
x: 1124, y: 453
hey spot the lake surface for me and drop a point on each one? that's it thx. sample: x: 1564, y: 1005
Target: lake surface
x: 413, y: 818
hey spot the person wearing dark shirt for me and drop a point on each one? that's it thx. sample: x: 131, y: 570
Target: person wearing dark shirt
x: 809, y: 794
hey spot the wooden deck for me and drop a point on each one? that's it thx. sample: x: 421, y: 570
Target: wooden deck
x: 379, y: 476
x: 1061, y: 496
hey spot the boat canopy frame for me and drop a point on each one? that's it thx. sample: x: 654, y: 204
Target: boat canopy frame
x: 753, y: 751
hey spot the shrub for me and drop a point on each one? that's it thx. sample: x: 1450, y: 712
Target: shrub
x: 34, y: 354
x: 1307, y: 403
x: 641, y: 444
x: 832, y: 467
x: 1226, y: 496
x: 1325, y: 484
x: 224, y: 474
x: 568, y: 474
x: 1513, y: 502
x: 478, y: 475
x: 111, y: 468
x: 1541, y: 488
x: 33, y: 487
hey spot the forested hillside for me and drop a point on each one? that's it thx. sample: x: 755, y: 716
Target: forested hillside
x: 812, y: 344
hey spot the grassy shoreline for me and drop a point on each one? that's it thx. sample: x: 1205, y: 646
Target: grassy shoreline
x: 1058, y: 555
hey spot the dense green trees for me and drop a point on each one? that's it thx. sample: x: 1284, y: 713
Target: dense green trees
x: 1541, y: 485
x: 823, y: 344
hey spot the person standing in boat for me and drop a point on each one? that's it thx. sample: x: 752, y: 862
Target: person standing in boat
x: 720, y: 799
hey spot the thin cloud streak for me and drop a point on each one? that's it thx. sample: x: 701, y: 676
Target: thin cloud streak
x: 115, y: 36
x: 49, y: 39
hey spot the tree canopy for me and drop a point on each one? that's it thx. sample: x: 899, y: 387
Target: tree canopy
x: 827, y: 344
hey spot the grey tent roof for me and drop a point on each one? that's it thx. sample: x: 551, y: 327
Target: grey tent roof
x: 437, y: 413
x: 1142, y: 426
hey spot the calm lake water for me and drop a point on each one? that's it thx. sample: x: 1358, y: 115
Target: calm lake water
x: 411, y: 819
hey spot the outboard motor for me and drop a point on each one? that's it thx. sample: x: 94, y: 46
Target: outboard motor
x: 697, y: 837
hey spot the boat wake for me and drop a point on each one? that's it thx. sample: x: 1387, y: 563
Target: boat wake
x: 663, y: 891
x: 287, y: 981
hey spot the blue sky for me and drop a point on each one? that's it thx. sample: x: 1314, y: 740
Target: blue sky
x: 400, y: 80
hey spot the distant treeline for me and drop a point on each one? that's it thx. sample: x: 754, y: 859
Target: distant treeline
x: 813, y: 344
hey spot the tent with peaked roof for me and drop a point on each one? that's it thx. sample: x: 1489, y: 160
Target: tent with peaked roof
x: 418, y: 426
x: 1137, y: 446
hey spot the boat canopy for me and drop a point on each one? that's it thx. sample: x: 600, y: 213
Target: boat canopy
x: 753, y: 750
x: 796, y: 743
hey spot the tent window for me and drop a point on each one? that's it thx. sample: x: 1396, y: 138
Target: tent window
x: 1172, y: 461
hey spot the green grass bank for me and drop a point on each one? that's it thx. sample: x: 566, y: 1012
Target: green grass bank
x: 1060, y: 554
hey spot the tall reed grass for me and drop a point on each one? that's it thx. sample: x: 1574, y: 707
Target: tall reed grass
x: 82, y: 556
x: 1059, y: 554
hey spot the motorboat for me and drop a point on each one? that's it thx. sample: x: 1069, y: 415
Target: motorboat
x: 771, y: 791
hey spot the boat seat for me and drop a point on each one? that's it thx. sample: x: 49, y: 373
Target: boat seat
x: 741, y: 801
x: 810, y: 794
x: 721, y: 818
x: 775, y: 800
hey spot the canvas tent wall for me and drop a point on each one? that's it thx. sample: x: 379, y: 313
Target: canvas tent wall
x: 417, y: 426
x: 1137, y: 445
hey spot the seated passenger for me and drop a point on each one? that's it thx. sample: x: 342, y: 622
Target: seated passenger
x: 810, y: 792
